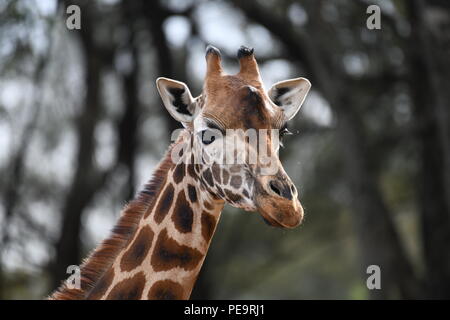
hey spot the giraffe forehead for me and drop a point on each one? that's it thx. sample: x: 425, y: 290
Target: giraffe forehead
x: 241, y: 114
x: 237, y: 103
x: 221, y: 84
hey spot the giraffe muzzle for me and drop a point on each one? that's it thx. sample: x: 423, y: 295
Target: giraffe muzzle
x: 277, y: 202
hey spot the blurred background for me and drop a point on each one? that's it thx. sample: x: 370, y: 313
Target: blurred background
x: 82, y: 128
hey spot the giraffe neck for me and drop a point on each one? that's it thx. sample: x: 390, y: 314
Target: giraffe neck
x: 159, y: 244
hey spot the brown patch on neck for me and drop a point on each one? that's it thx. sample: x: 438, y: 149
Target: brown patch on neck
x: 209, y: 223
x: 178, y: 173
x: 138, y: 250
x: 182, y: 215
x: 166, y: 290
x: 226, y: 176
x: 192, y: 192
x: 236, y: 181
x: 164, y: 203
x: 207, y: 176
x: 216, y: 172
x: 129, y: 289
x: 169, y: 254
x: 191, y: 171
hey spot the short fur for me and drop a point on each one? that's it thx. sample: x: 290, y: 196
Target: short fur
x: 99, y: 261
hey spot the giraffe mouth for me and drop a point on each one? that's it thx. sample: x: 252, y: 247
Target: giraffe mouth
x: 277, y: 211
x: 281, y: 216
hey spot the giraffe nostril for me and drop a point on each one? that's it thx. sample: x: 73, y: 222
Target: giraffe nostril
x: 282, y: 189
x: 274, y: 188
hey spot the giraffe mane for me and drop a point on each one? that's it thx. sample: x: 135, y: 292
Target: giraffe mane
x: 94, y: 267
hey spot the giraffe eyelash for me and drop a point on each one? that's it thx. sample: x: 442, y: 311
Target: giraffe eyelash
x: 284, y: 131
x: 214, y: 126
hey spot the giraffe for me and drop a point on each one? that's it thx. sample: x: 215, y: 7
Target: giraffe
x: 159, y: 244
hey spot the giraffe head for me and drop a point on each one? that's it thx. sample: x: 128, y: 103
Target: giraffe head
x: 234, y: 129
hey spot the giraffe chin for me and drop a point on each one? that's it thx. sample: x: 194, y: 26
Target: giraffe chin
x: 287, y: 214
x: 246, y: 207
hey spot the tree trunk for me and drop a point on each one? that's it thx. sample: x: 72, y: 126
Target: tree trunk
x: 86, y: 179
x: 433, y: 181
x: 155, y: 15
x: 378, y: 238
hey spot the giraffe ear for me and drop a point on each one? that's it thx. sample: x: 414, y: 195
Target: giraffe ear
x: 289, y: 95
x: 177, y: 99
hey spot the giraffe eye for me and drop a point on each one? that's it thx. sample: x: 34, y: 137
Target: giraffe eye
x: 208, y: 136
